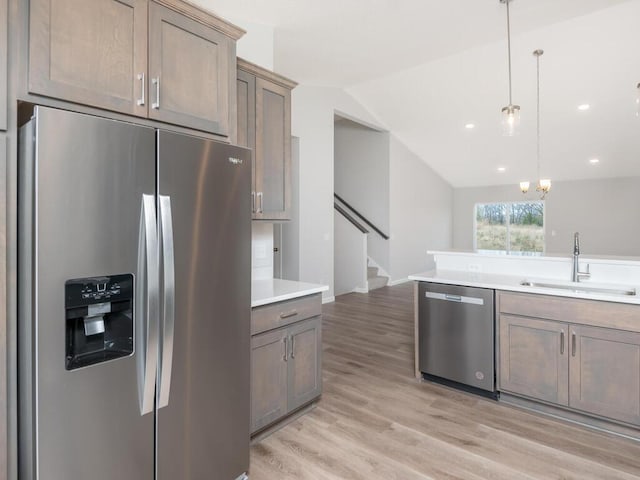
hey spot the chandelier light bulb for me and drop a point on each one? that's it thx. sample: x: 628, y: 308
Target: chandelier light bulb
x: 524, y: 187
x: 544, y: 185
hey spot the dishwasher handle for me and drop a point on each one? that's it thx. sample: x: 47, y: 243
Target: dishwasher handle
x: 454, y: 298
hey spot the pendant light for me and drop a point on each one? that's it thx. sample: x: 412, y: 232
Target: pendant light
x: 510, y: 113
x: 544, y: 184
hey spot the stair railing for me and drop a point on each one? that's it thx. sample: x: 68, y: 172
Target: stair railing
x: 344, y: 212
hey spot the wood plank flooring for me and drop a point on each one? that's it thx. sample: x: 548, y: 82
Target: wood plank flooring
x: 376, y: 422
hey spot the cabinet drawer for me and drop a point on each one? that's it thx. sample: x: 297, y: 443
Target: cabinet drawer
x: 284, y: 313
x: 576, y: 310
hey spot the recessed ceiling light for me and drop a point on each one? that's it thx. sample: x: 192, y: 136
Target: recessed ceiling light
x: 470, y: 126
x: 584, y: 107
x: 593, y: 161
x: 502, y: 169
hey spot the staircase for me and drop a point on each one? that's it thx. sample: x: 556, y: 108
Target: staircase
x: 374, y: 280
x: 351, y: 251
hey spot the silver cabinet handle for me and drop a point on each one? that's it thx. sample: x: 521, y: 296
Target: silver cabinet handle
x: 286, y: 350
x: 253, y: 202
x: 141, y: 100
x: 259, y: 202
x: 147, y: 306
x: 293, y: 346
x: 573, y: 344
x: 292, y: 313
x: 156, y: 81
x: 168, y: 303
x: 561, y: 342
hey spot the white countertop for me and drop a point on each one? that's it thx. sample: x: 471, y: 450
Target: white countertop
x: 274, y: 290
x: 557, y: 257
x: 512, y: 283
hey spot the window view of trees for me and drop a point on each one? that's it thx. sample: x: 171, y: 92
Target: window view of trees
x: 510, y: 227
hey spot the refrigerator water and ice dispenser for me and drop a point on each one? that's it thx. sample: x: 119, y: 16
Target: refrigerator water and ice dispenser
x: 99, y: 319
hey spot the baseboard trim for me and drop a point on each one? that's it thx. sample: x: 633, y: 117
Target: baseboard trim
x: 328, y: 299
x: 569, y: 416
x: 398, y: 282
x: 361, y: 290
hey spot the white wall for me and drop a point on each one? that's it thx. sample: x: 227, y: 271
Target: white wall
x: 421, y: 212
x: 313, y: 110
x: 350, y: 257
x: 361, y: 177
x: 257, y: 44
x: 603, y: 211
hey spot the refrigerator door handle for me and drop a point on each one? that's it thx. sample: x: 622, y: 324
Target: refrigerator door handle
x: 147, y: 305
x: 168, y: 302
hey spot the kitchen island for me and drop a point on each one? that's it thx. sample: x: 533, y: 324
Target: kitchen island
x: 570, y: 349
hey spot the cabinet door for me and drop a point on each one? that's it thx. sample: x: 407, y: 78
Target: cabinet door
x: 534, y: 358
x: 3, y: 64
x: 269, y: 360
x: 273, y: 150
x: 605, y: 372
x: 305, y: 364
x: 246, y: 91
x: 189, y: 71
x: 94, y: 53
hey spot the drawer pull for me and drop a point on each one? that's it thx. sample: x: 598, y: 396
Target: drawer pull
x: 286, y: 353
x: 292, y: 313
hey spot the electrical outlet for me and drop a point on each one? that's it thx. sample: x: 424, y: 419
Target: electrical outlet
x: 474, y: 267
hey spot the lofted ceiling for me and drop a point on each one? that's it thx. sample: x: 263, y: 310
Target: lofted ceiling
x: 427, y: 68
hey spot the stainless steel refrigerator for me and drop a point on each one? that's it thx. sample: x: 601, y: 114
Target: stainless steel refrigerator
x: 134, y: 302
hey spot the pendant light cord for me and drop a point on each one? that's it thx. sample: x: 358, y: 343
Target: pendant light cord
x: 509, y: 48
x: 538, y: 110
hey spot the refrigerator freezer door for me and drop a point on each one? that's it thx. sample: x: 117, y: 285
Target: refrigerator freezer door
x: 85, y: 177
x: 203, y: 432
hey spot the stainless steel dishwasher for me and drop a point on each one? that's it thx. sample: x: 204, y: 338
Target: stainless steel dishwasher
x: 457, y: 336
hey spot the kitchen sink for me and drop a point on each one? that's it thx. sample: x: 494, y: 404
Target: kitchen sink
x: 579, y: 288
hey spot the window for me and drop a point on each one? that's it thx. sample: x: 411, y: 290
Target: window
x: 510, y: 227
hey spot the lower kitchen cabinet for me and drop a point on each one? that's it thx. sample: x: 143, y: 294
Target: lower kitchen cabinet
x: 533, y: 358
x: 305, y: 370
x: 588, y: 369
x: 286, y: 362
x: 605, y: 372
x: 269, y: 378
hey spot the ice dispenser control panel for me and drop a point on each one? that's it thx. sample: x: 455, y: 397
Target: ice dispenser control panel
x: 99, y: 319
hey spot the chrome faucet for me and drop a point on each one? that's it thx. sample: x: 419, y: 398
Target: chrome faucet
x: 577, y: 274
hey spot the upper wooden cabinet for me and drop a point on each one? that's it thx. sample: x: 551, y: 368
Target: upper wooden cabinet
x: 165, y: 60
x: 3, y: 64
x: 264, y: 125
x: 189, y: 65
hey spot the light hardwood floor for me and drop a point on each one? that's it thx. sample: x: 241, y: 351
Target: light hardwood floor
x: 375, y: 421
